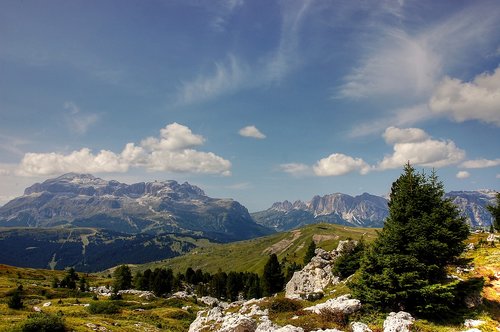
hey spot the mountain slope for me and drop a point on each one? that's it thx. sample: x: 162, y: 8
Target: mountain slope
x: 251, y: 255
x: 364, y: 210
x: 82, y: 200
x: 87, y: 249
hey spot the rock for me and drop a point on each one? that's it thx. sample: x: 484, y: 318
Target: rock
x: 472, y: 330
x: 310, y: 282
x: 470, y: 246
x: 205, y: 317
x: 491, y: 238
x: 142, y: 294
x: 473, y: 322
x: 37, y: 309
x: 187, y: 307
x: 208, y: 300
x: 327, y: 330
x: 47, y: 304
x: 398, y: 322
x: 342, y: 303
x: 238, y: 323
x: 360, y: 327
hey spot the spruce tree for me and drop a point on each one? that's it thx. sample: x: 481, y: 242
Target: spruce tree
x: 405, y: 268
x: 310, y: 253
x: 122, y: 278
x: 495, y: 213
x: 273, y: 279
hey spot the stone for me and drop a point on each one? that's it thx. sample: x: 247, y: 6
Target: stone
x: 398, y: 322
x: 342, y: 303
x: 360, y: 327
x: 47, y: 304
x: 37, y: 309
x: 238, y: 323
x: 473, y: 322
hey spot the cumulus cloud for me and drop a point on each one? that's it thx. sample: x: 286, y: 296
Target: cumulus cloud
x: 78, y: 121
x: 475, y: 100
x: 419, y: 150
x: 171, y: 152
x: 295, y: 169
x: 251, y: 131
x: 408, y: 135
x: 463, y: 175
x: 340, y: 164
x: 480, y: 163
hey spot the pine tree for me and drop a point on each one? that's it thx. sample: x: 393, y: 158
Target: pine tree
x: 405, y: 268
x: 122, y: 278
x: 495, y: 213
x: 272, y: 279
x: 15, y: 301
x: 310, y: 253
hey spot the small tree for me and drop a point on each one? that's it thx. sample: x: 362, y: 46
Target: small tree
x: 15, y: 301
x: 495, y: 213
x: 405, y: 268
x: 272, y: 279
x: 122, y: 278
x: 310, y: 253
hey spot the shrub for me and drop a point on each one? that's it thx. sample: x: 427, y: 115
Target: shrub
x: 15, y: 301
x: 282, y: 304
x: 42, y: 322
x: 104, y: 308
x: 334, y: 316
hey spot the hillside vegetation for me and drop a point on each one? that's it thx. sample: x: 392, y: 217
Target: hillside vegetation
x: 251, y: 255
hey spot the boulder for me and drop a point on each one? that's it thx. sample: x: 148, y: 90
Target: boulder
x: 398, y: 322
x: 473, y: 322
x: 238, y: 323
x: 342, y: 303
x: 310, y: 282
x: 360, y: 327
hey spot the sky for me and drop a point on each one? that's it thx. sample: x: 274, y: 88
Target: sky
x: 255, y: 100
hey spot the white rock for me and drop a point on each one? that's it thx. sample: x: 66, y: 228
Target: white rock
x: 37, y: 309
x: 238, y: 323
x: 289, y: 328
x: 47, y: 304
x: 360, y: 327
x: 327, y: 330
x: 398, y: 322
x: 472, y: 330
x: 473, y: 322
x: 342, y: 303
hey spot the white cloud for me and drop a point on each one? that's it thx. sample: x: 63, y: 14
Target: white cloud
x: 340, y: 164
x: 399, y: 64
x: 295, y: 169
x: 463, y: 175
x: 421, y: 150
x: 480, y: 163
x: 498, y: 176
x: 408, y: 135
x: 251, y: 131
x: 172, y: 152
x: 475, y: 100
x: 77, y: 121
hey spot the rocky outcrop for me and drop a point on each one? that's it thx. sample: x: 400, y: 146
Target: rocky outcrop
x: 310, y: 282
x: 342, y: 304
x: 360, y: 327
x: 398, y: 322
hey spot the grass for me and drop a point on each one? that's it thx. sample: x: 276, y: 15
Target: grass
x: 251, y: 255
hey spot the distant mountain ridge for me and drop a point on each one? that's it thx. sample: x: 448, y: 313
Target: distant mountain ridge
x: 365, y: 210
x: 83, y: 200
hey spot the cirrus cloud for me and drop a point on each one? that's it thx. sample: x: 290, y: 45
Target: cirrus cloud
x: 171, y: 152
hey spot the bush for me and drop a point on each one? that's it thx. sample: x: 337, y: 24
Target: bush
x: 282, y: 304
x: 15, y: 301
x: 334, y: 316
x: 42, y: 322
x: 104, y: 308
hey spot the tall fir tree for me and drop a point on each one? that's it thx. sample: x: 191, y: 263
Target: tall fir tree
x: 405, y: 268
x: 122, y: 278
x: 310, y: 253
x: 495, y: 213
x: 273, y: 279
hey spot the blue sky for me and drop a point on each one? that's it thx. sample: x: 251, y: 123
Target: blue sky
x: 260, y: 101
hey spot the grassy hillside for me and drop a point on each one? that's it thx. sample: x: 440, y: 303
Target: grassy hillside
x: 251, y: 255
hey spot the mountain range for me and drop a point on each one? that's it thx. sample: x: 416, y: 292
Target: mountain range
x: 365, y: 210
x: 82, y: 200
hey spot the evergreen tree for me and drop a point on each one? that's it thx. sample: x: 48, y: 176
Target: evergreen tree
x: 272, y: 280
x: 82, y: 285
x: 495, y: 213
x: 122, y: 278
x: 310, y: 253
x: 405, y: 268
x: 15, y: 301
x: 349, y: 261
x: 70, y: 279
